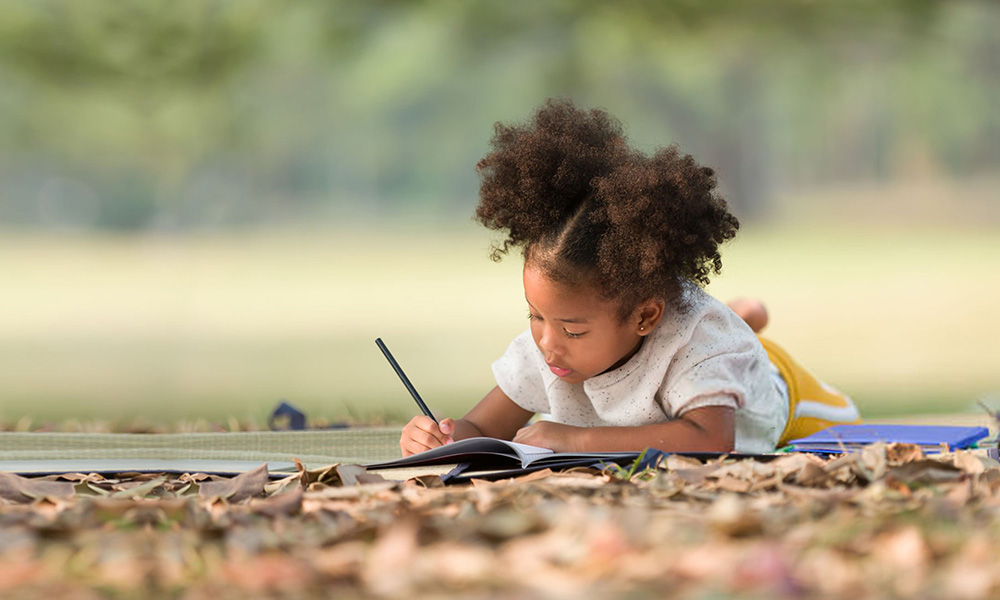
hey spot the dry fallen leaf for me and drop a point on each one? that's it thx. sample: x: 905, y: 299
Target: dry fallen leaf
x: 925, y: 472
x: 286, y: 503
x: 236, y: 489
x: 355, y: 474
x: 14, y: 488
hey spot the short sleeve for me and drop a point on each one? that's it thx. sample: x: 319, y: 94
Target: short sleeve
x: 712, y: 381
x: 729, y: 400
x: 518, y: 374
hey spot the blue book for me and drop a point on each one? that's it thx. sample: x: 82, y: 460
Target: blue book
x: 841, y: 438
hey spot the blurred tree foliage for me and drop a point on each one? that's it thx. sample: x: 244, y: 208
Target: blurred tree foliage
x: 180, y: 113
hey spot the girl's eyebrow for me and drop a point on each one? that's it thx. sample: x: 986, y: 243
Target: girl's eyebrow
x: 577, y: 320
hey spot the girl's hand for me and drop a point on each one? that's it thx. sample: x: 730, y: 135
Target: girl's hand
x: 546, y: 434
x: 422, y: 433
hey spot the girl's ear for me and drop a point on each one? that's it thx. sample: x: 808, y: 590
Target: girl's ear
x: 648, y: 314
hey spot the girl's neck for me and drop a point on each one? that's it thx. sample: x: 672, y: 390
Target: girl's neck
x: 628, y: 356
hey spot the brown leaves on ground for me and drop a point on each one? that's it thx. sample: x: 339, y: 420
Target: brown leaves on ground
x: 885, y: 522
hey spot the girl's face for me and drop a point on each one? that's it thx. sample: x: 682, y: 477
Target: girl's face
x: 577, y: 330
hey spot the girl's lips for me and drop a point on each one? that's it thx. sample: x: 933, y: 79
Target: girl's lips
x: 559, y: 371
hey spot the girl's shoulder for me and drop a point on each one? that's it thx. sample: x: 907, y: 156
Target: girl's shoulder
x: 705, y: 321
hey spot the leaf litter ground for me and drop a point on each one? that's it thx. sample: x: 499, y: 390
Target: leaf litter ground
x: 887, y: 522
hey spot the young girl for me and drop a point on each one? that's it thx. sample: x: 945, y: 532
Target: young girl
x: 625, y: 350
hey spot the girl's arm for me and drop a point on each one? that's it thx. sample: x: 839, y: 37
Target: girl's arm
x: 706, y: 429
x: 495, y: 415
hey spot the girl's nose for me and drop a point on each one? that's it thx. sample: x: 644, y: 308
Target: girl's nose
x: 549, y: 344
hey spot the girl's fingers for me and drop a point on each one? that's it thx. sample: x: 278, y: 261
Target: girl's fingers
x: 521, y: 435
x: 426, y: 425
x: 421, y: 434
x: 531, y: 435
x: 410, y: 447
x: 418, y: 441
x: 447, y: 429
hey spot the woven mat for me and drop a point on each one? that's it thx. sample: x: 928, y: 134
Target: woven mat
x: 315, y: 448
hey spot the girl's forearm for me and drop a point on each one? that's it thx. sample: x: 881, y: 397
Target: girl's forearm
x: 680, y: 435
x: 495, y: 415
x: 466, y: 429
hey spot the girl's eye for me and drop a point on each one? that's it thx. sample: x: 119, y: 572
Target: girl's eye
x: 532, y: 317
x: 572, y: 335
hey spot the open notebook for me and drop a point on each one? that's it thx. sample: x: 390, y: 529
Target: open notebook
x: 490, y: 458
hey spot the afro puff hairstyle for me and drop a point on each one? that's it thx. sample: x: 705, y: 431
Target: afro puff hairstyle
x: 582, y: 205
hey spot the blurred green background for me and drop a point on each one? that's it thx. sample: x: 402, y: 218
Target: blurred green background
x: 206, y: 206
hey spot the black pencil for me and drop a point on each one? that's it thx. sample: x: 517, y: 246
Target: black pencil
x: 405, y: 379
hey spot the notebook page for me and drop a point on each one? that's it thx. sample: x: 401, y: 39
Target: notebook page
x: 528, y: 454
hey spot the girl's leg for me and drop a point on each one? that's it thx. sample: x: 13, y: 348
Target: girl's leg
x: 812, y: 404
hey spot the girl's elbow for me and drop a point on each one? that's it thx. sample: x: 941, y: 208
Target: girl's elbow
x: 726, y: 447
x: 722, y: 443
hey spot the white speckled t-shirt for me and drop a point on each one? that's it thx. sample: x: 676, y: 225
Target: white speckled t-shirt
x: 706, y: 356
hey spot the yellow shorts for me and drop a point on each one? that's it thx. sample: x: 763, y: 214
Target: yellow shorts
x: 812, y: 404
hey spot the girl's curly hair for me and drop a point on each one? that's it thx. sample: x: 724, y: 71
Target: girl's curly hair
x: 569, y: 191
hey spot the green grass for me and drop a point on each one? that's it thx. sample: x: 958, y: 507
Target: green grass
x: 214, y: 325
